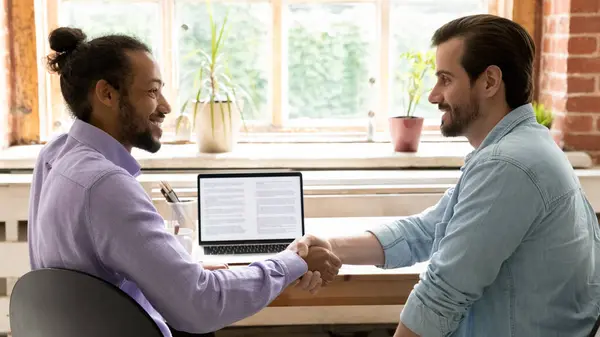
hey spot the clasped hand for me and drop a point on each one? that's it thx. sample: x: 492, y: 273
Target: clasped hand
x: 323, y: 265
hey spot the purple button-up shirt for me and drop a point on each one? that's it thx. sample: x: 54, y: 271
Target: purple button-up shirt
x: 89, y: 213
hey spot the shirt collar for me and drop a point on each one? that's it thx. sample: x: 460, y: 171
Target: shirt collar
x: 507, y: 124
x: 104, y: 143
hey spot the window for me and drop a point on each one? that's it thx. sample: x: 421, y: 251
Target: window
x: 408, y: 16
x: 331, y: 49
x: 248, y: 47
x: 308, y: 65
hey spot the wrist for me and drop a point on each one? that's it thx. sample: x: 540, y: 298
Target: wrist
x: 337, y: 247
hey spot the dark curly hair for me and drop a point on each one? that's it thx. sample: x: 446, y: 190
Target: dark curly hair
x: 82, y: 64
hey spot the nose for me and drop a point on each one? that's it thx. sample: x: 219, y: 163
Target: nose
x: 164, y: 105
x: 435, y: 96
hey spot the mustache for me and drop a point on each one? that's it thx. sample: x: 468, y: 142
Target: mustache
x: 160, y: 114
x: 443, y: 106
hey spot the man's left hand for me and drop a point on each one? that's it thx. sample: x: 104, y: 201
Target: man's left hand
x: 310, y: 281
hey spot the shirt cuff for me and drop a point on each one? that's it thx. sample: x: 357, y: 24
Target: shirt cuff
x: 422, y: 320
x: 395, y: 248
x: 294, y: 265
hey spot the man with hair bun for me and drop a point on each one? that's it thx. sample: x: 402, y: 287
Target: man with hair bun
x: 89, y: 213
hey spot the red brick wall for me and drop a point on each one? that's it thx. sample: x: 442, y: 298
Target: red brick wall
x: 4, y: 83
x: 570, y: 72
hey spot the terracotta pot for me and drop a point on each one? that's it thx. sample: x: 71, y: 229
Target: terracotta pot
x: 406, y: 133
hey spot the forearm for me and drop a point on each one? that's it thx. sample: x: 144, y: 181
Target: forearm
x: 362, y: 249
x: 237, y: 293
x: 131, y: 242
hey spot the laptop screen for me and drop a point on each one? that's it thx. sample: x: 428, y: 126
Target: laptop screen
x: 250, y: 207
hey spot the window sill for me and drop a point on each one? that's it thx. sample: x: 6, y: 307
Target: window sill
x: 378, y: 155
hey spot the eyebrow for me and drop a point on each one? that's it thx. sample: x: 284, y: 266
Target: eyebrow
x: 443, y: 72
x: 159, y: 81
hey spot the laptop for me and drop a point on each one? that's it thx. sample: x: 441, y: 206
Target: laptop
x: 246, y: 217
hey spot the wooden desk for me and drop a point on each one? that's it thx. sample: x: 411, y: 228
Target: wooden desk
x: 359, y: 294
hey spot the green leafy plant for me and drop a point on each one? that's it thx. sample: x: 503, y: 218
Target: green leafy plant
x: 542, y: 114
x: 420, y: 66
x: 213, y: 83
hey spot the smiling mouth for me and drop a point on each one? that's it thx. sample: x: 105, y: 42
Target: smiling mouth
x: 157, y: 120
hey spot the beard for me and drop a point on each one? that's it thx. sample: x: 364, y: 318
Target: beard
x: 461, y: 117
x: 135, y: 130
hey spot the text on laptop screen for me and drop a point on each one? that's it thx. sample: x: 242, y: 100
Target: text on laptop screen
x: 250, y: 208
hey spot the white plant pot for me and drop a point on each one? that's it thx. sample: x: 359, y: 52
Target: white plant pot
x: 183, y: 129
x: 221, y: 134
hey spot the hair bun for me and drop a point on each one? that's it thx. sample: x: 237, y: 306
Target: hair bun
x: 65, y: 39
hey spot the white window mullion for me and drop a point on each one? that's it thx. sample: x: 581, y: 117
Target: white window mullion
x: 503, y: 8
x: 51, y: 103
x: 279, y: 67
x: 42, y: 11
x: 383, y: 19
x: 168, y: 52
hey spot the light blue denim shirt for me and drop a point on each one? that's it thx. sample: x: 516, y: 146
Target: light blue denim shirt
x: 513, y: 248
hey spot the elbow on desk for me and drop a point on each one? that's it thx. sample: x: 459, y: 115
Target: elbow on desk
x: 202, y: 314
x: 203, y: 318
x: 207, y: 319
x: 197, y: 324
x: 212, y: 308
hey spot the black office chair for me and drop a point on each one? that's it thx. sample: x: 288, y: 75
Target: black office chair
x: 595, y: 332
x: 66, y: 303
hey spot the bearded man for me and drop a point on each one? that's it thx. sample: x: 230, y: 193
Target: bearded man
x: 89, y: 213
x: 513, y: 247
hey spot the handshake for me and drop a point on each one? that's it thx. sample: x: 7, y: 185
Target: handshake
x: 323, y: 264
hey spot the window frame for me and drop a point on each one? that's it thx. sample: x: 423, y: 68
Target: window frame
x: 50, y: 100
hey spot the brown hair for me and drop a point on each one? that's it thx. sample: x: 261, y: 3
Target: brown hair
x: 493, y: 40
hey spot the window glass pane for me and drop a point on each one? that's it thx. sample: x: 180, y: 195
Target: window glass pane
x: 247, y: 49
x: 137, y: 18
x: 413, y: 22
x: 96, y: 18
x: 331, y: 49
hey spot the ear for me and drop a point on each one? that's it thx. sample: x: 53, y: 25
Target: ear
x: 106, y: 94
x: 492, y: 78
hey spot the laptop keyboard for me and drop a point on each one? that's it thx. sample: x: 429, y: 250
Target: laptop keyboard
x: 244, y: 249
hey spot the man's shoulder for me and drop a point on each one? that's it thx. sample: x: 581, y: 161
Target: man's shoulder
x: 530, y: 148
x: 84, y: 166
x: 533, y: 154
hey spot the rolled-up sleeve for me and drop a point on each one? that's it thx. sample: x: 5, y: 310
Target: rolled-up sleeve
x: 409, y: 240
x: 130, y: 239
x: 497, y: 205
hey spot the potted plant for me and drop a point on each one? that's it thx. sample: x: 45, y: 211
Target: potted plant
x: 542, y: 114
x: 545, y: 117
x: 406, y: 129
x: 217, y: 103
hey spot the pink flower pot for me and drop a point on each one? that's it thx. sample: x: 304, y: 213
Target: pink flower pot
x: 406, y: 133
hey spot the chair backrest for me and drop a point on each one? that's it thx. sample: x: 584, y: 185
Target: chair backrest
x: 595, y: 331
x: 66, y: 303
